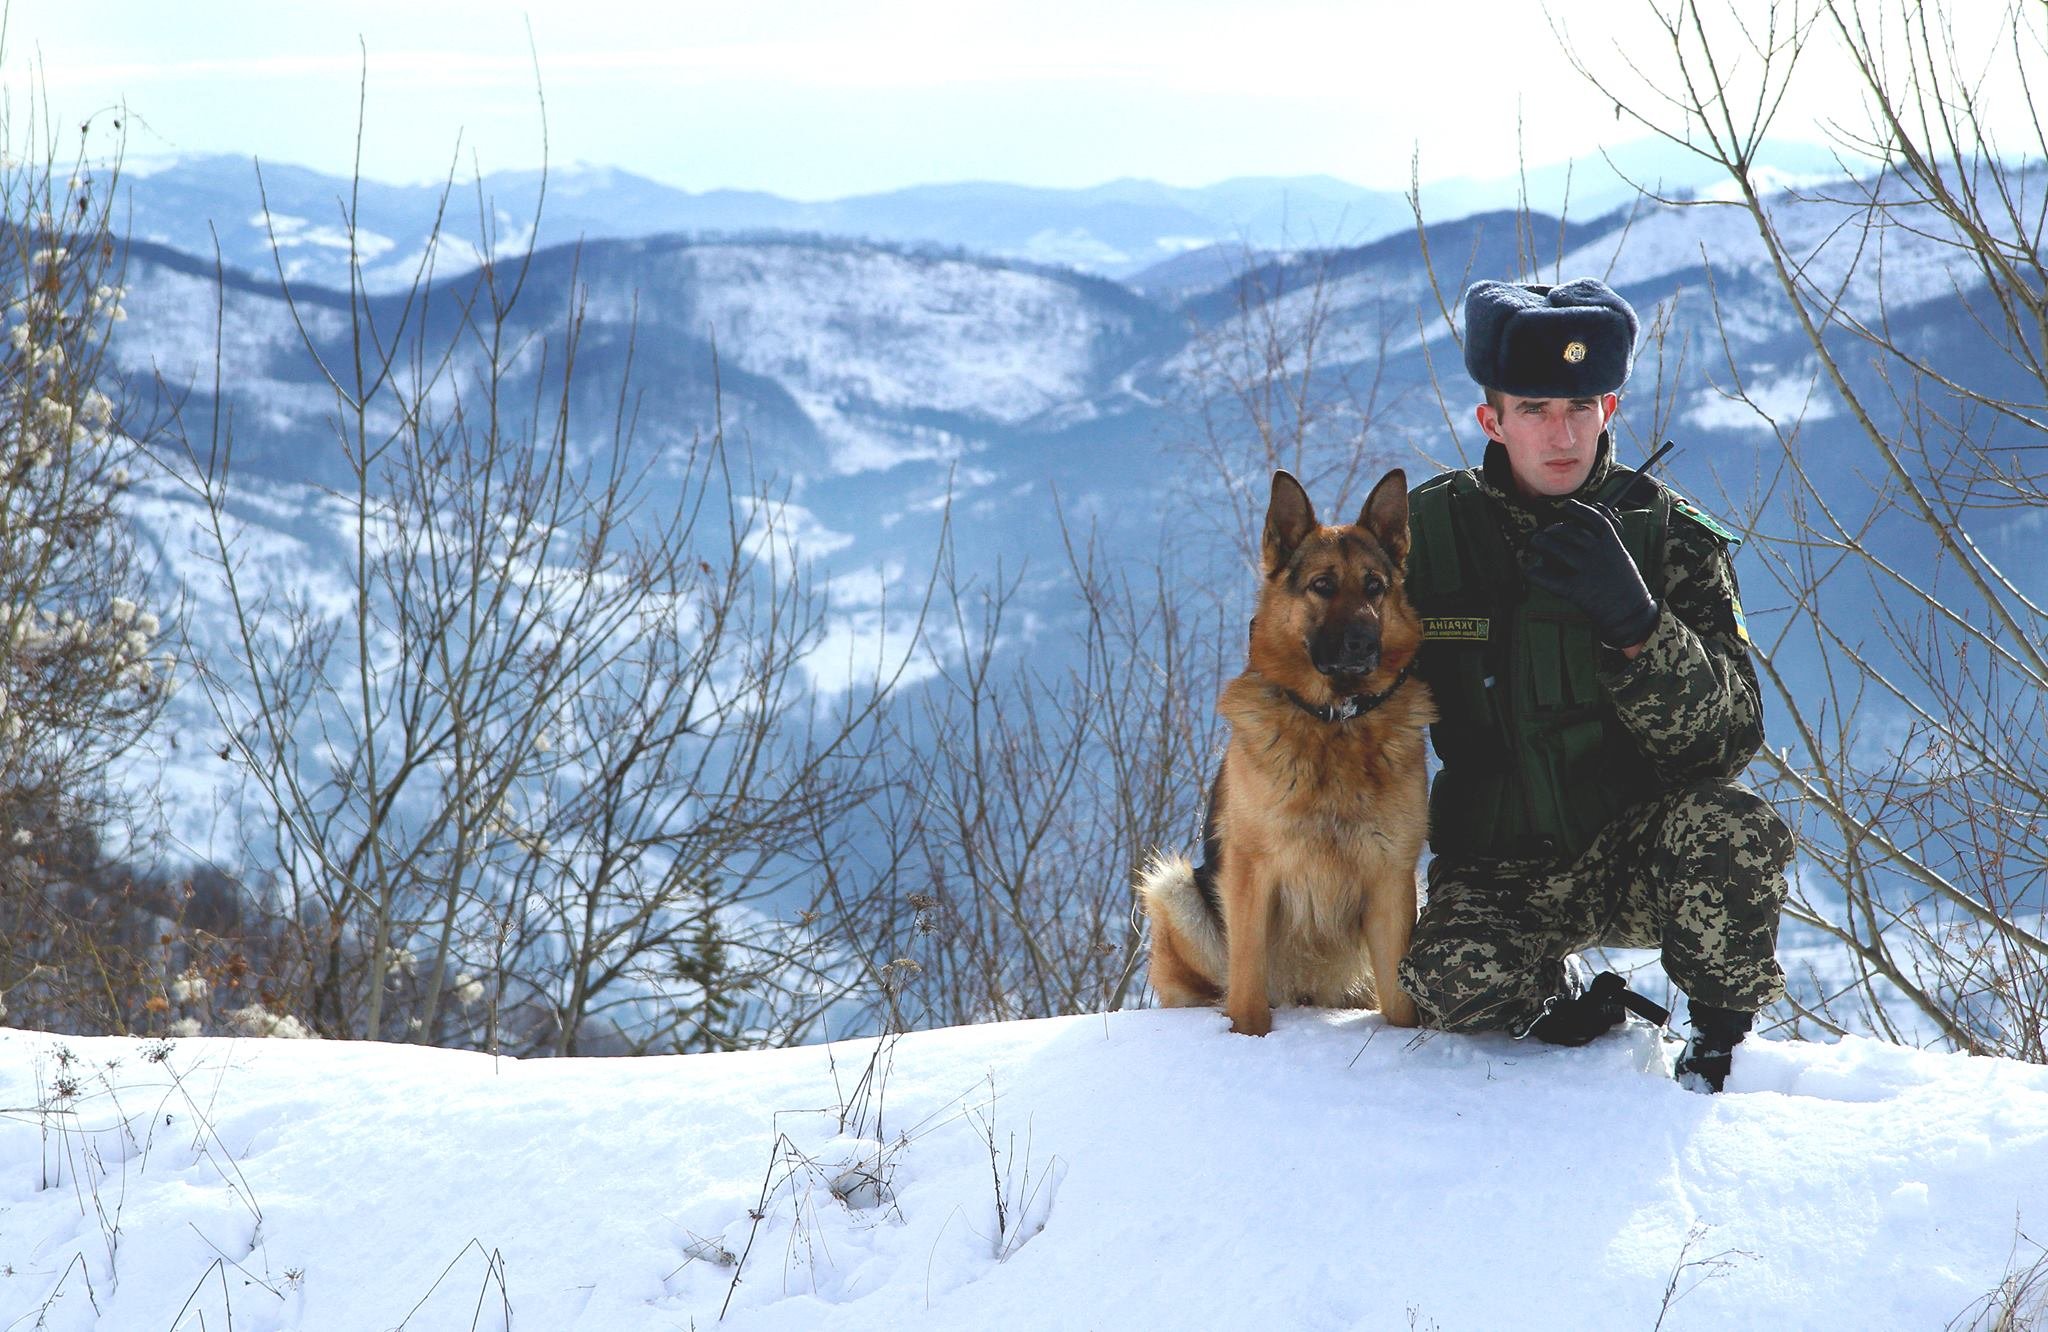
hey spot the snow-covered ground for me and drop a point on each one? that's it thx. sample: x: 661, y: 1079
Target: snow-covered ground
x: 1153, y: 1171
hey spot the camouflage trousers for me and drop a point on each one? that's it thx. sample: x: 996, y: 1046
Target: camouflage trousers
x: 1698, y: 873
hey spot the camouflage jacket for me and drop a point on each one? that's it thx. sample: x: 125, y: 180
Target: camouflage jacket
x: 1687, y: 706
x: 1690, y: 697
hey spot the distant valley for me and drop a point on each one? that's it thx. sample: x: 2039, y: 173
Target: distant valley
x: 875, y: 387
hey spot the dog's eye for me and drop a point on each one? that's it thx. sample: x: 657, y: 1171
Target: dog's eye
x: 1373, y: 586
x: 1323, y: 585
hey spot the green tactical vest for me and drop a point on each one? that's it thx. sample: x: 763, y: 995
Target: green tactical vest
x: 1535, y: 762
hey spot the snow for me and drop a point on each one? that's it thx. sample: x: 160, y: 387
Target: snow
x: 285, y: 231
x: 857, y: 443
x: 1902, y: 253
x: 1156, y: 1171
x: 179, y: 322
x: 1074, y: 247
x: 896, y: 330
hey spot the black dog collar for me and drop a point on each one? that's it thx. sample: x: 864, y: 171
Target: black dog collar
x: 1352, y: 705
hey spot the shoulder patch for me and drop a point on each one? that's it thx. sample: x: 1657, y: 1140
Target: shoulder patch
x: 1680, y: 504
x: 1442, y: 480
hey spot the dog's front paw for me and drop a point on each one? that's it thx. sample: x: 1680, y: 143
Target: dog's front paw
x: 1399, y: 1011
x: 1252, y: 1022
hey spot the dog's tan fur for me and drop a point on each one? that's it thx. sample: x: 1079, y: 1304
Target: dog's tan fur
x: 1317, y: 826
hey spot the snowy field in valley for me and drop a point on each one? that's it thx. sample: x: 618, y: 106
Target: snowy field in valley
x: 1140, y: 1170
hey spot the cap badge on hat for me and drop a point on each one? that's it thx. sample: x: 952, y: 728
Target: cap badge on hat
x: 1573, y: 340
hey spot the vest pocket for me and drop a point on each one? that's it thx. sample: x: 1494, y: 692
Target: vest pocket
x: 1471, y: 731
x: 1582, y: 676
x: 1470, y: 813
x: 1591, y: 787
x: 1563, y: 672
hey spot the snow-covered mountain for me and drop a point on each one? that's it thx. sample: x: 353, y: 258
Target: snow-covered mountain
x: 269, y: 216
x: 885, y: 392
x: 1115, y: 229
x: 839, y: 357
x: 1133, y: 1170
x: 870, y: 379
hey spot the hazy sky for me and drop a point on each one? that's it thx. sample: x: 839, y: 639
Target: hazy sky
x: 821, y: 98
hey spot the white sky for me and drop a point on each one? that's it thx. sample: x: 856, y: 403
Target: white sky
x: 822, y: 98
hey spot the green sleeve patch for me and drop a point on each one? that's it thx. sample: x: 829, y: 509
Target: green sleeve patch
x: 1679, y: 504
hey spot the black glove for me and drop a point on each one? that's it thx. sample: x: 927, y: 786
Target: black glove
x: 1575, y: 1019
x: 1582, y: 560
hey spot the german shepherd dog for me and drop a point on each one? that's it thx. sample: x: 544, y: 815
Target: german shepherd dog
x: 1320, y: 808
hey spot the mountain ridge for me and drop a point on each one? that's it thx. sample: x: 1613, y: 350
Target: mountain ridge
x: 1116, y: 228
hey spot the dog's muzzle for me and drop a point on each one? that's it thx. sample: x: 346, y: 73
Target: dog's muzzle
x: 1352, y: 650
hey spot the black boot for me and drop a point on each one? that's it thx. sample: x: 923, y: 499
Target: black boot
x: 1708, y: 1055
x: 1598, y: 1009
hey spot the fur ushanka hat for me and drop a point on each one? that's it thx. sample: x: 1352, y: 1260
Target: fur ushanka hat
x: 1574, y: 340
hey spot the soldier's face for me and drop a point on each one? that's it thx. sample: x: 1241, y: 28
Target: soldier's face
x: 1550, y: 442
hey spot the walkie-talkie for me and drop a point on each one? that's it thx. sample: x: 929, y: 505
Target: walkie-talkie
x: 1619, y: 491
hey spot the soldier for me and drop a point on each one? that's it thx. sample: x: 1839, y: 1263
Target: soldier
x: 1588, y: 655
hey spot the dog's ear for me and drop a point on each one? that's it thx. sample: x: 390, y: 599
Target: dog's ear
x: 1385, y: 514
x: 1289, y: 520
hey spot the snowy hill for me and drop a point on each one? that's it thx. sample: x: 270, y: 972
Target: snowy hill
x: 837, y: 356
x: 871, y: 382
x: 886, y: 351
x: 1117, y: 229
x: 1136, y: 1170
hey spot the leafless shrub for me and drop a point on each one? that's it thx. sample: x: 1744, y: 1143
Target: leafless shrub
x: 1287, y: 376
x: 1021, y: 1202
x: 1908, y: 649
x: 82, y: 675
x: 1689, y: 1273
x: 101, y: 1125
x: 2019, y: 1303
x: 537, y: 784
x: 1030, y: 797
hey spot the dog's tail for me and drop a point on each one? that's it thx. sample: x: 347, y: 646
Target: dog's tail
x: 1175, y: 904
